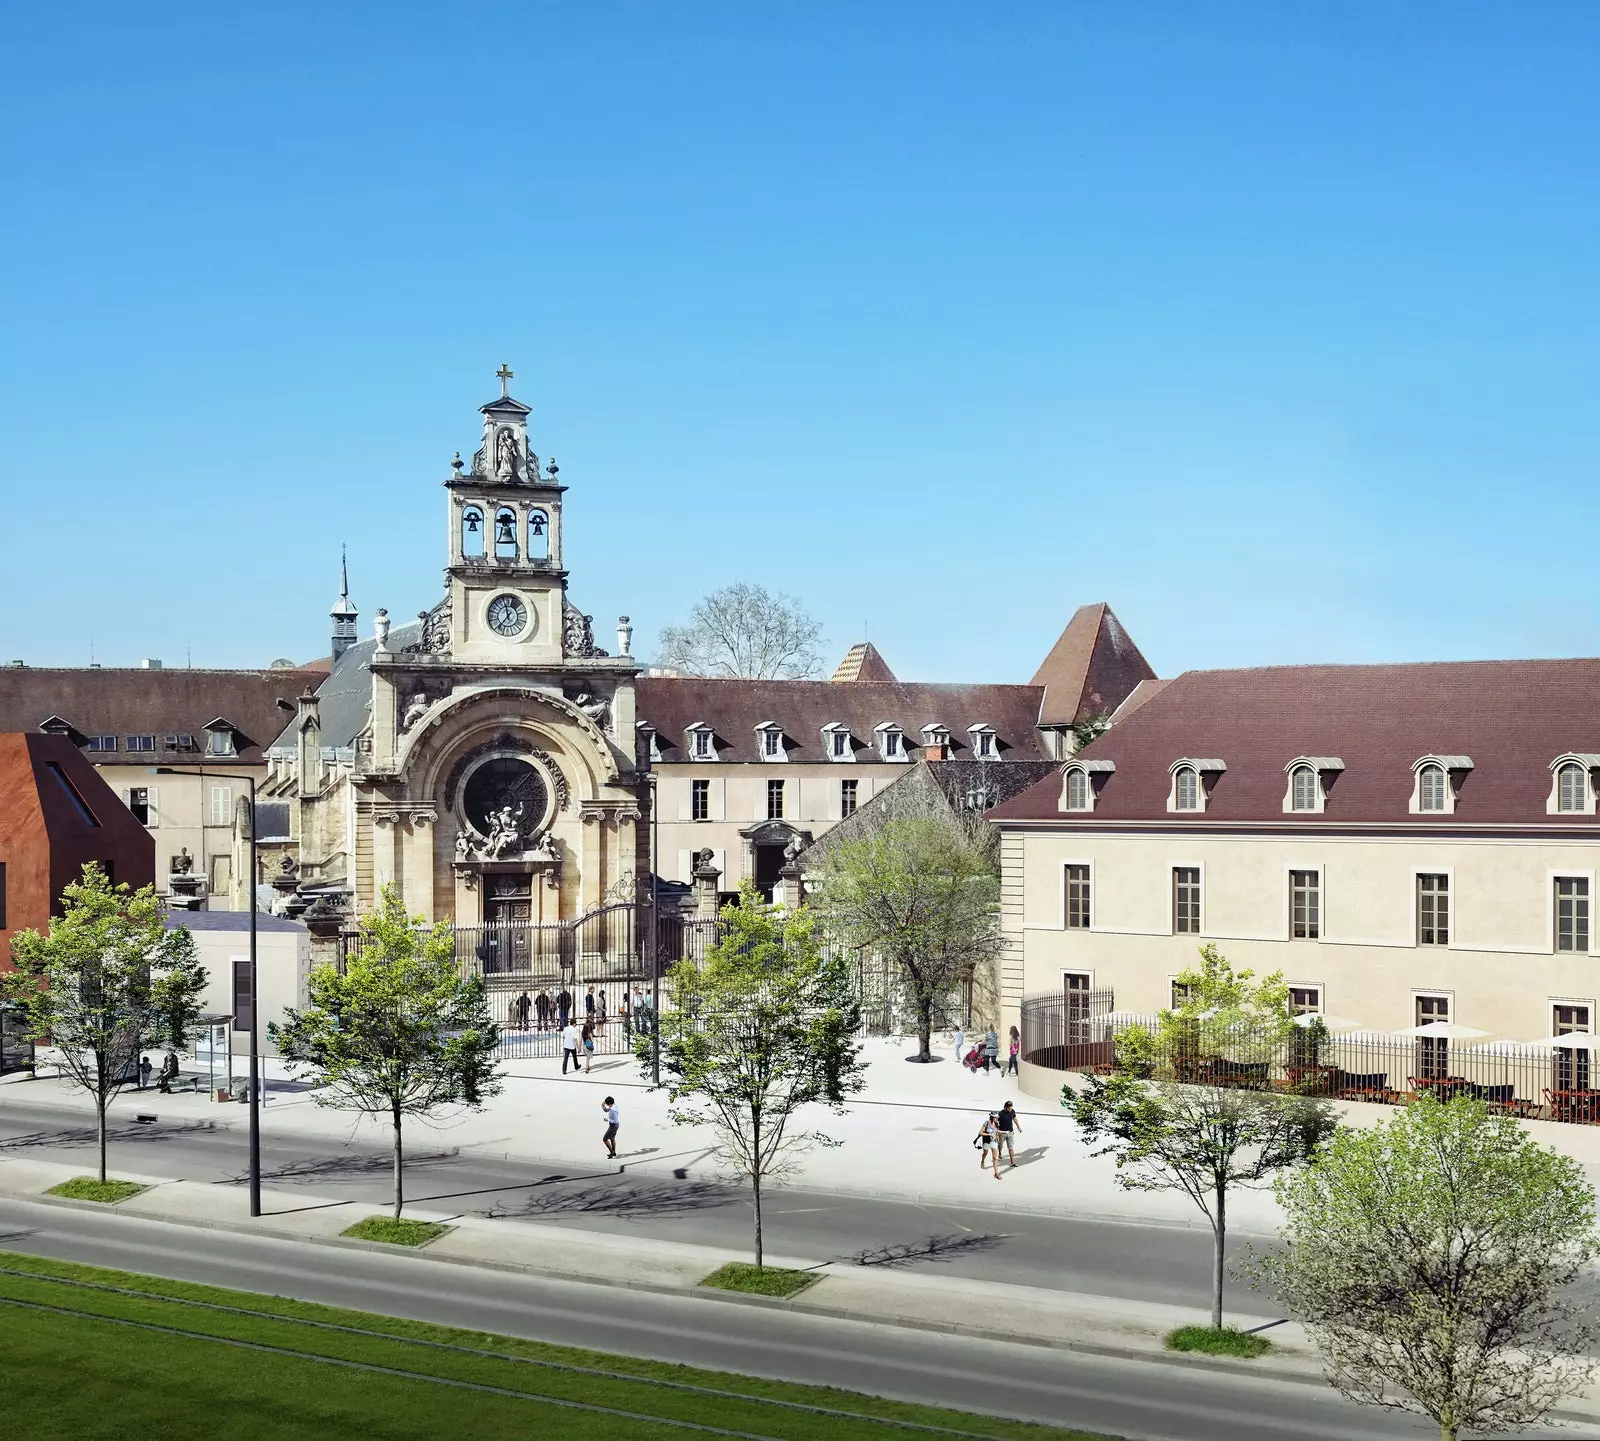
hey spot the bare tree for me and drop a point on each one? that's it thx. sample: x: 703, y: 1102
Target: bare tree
x: 1431, y: 1260
x: 744, y: 632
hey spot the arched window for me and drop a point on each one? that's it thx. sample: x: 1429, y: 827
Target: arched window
x: 1571, y: 788
x: 505, y: 533
x: 471, y: 531
x: 1433, y: 789
x: 538, y: 535
x: 1077, y: 792
x: 1186, y: 789
x: 1303, y: 789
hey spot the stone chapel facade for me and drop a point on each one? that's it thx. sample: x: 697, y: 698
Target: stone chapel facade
x: 482, y: 758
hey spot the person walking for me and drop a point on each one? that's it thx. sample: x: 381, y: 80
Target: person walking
x: 961, y: 1042
x: 588, y: 1006
x: 991, y: 1051
x: 1015, y: 1051
x: 587, y: 1037
x: 988, y: 1150
x: 613, y: 1120
x: 564, y: 1006
x: 168, y: 1073
x: 1007, y: 1124
x: 570, y: 1040
x: 144, y: 1072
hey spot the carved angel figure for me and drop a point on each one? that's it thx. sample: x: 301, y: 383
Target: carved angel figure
x: 415, y: 708
x: 597, y: 710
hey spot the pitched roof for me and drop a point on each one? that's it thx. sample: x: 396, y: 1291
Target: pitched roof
x: 734, y: 708
x: 345, y: 692
x: 1091, y: 669
x: 101, y: 700
x: 1512, y: 717
x: 863, y: 662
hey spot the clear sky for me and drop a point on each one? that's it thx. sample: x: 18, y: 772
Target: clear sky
x: 1274, y: 325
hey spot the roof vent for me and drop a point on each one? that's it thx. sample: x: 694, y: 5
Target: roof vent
x: 19, y: 663
x: 150, y: 663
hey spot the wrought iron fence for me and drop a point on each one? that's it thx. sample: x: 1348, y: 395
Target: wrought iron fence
x: 1528, y: 1081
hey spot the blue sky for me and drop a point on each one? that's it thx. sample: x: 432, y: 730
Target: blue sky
x: 1276, y: 326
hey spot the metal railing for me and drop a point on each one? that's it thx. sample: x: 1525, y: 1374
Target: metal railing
x: 1527, y: 1081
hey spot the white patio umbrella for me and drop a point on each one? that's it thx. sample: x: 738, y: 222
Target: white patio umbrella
x: 1441, y: 1031
x: 1329, y: 1023
x: 1572, y: 1041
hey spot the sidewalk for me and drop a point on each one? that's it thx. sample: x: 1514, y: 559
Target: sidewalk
x: 907, y: 1138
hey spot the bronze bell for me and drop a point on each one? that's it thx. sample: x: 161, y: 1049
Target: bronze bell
x: 536, y: 523
x: 505, y: 530
x: 473, y: 526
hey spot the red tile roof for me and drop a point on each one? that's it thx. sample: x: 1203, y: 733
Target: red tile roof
x: 863, y: 662
x: 1091, y: 668
x: 1511, y: 717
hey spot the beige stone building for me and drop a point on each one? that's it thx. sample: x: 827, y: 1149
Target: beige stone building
x: 1407, y: 844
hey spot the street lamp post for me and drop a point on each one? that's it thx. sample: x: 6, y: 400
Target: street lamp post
x: 255, y: 1020
x: 655, y: 933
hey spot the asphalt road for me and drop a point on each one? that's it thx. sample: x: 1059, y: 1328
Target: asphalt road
x: 1110, y: 1395
x: 1128, y: 1261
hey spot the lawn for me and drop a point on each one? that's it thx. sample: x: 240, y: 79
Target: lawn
x: 166, y: 1358
x: 759, y: 1280
x: 396, y: 1233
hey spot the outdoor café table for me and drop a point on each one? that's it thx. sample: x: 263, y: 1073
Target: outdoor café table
x: 1443, y: 1087
x: 1580, y: 1106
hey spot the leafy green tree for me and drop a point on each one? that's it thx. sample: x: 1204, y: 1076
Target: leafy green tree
x: 1430, y: 1259
x: 1188, y: 1108
x: 760, y: 1029
x: 923, y: 891
x: 105, y: 982
x: 400, y: 1032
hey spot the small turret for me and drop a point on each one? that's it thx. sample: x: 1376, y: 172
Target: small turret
x: 343, y: 613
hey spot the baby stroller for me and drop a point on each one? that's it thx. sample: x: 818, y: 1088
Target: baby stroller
x: 973, y: 1060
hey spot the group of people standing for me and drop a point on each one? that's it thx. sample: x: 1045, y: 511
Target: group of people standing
x: 984, y: 1055
x: 546, y: 1013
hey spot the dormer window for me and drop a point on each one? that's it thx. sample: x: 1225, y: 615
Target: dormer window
x: 1309, y: 779
x: 1572, y: 784
x: 1433, y: 790
x: 836, y: 742
x: 220, y: 739
x: 701, y: 742
x: 983, y: 742
x: 769, y: 742
x: 649, y: 740
x: 936, y: 735
x: 1188, y: 792
x: 1077, y: 783
x: 891, y: 741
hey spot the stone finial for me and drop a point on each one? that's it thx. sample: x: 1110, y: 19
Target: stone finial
x: 624, y: 635
x: 380, y: 629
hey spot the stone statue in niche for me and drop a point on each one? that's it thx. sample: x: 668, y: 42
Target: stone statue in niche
x: 463, y: 846
x: 505, y: 833
x: 546, y: 848
x: 597, y: 710
x: 505, y: 453
x: 416, y: 708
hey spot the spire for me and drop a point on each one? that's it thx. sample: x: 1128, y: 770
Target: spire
x: 343, y: 612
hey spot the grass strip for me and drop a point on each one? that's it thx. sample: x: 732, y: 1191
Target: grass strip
x: 302, y: 1330
x: 1229, y: 1341
x: 88, y: 1188
x: 759, y: 1280
x: 394, y: 1232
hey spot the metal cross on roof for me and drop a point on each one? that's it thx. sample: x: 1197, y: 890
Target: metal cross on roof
x: 506, y: 374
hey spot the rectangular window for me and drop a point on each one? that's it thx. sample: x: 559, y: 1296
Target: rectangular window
x: 1433, y: 1052
x: 891, y: 745
x: 985, y: 743
x: 102, y: 743
x: 1572, y: 913
x: 218, y: 743
x: 840, y: 742
x: 141, y: 743
x: 771, y: 743
x: 847, y: 799
x: 139, y: 804
x: 221, y: 806
x: 1305, y: 905
x: 700, y: 800
x: 1305, y: 1000
x: 1433, y: 910
x: 1186, y: 900
x: 1572, y: 1062
x: 1078, y: 912
x: 702, y: 745
x: 774, y: 800
x: 1179, y: 995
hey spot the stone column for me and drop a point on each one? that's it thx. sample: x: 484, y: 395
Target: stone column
x: 790, y: 889
x: 705, y: 886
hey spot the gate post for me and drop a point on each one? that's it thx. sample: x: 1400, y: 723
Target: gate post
x: 705, y: 886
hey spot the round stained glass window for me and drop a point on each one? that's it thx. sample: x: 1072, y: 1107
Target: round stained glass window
x: 505, y: 790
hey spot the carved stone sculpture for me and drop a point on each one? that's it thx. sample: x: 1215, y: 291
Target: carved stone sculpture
x: 463, y: 846
x: 416, y: 708
x: 505, y: 454
x: 505, y: 833
x: 791, y: 852
x: 380, y: 628
x: 599, y: 711
x: 577, y: 633
x: 182, y: 863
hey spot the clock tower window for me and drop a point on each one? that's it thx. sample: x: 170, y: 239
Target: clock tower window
x: 471, y: 531
x: 538, y: 535
x: 505, y: 533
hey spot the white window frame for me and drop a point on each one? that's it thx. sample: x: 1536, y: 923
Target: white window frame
x: 832, y: 734
x: 695, y: 782
x: 769, y: 743
x: 935, y: 734
x: 1320, y: 1009
x: 883, y: 731
x: 1067, y: 774
x: 220, y: 742
x: 1172, y: 895
x: 985, y: 742
x: 766, y: 799
x: 1550, y: 909
x: 855, y: 803
x: 694, y: 735
x: 1586, y: 764
x: 225, y: 794
x: 1322, y: 903
x: 1449, y: 873
x: 1319, y: 766
x: 1451, y: 766
x: 1094, y: 908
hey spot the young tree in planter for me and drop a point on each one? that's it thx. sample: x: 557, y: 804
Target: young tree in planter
x: 105, y: 983
x: 1207, y: 1130
x: 924, y: 891
x: 1429, y: 1259
x: 760, y: 1029
x: 401, y: 1032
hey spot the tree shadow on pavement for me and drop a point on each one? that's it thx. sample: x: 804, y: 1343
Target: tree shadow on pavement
x: 340, y: 1168
x: 115, y: 1136
x: 660, y: 1198
x: 934, y: 1248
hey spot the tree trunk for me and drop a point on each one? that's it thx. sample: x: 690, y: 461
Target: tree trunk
x: 100, y: 1113
x: 755, y: 1192
x: 399, y: 1192
x: 925, y: 1030
x: 1219, y: 1232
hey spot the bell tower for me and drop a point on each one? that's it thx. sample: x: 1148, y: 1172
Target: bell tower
x: 507, y: 586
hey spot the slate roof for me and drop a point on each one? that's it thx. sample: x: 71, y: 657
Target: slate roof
x: 121, y: 702
x: 346, y: 692
x: 734, y: 708
x: 1511, y: 717
x: 1091, y: 669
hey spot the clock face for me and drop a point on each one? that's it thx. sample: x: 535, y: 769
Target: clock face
x: 507, y: 615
